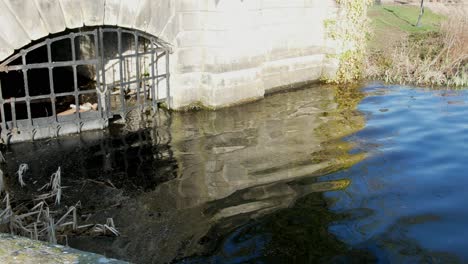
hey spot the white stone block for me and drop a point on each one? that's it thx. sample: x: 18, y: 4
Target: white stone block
x: 52, y: 15
x: 144, y: 14
x: 12, y: 31
x: 111, y: 12
x: 187, y: 6
x: 93, y: 12
x: 5, y: 49
x: 28, y: 16
x: 163, y: 22
x: 72, y: 13
x: 128, y: 12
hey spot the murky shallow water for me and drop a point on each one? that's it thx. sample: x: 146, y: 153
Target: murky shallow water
x: 320, y: 174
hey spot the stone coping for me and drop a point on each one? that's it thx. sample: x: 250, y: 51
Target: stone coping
x: 20, y: 250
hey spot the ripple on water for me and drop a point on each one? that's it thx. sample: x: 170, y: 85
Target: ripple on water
x: 418, y: 209
x: 326, y: 174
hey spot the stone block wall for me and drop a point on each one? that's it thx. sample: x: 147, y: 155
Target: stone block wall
x: 224, y: 52
x: 231, y: 51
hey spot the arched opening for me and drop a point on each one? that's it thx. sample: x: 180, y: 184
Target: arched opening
x: 79, y: 79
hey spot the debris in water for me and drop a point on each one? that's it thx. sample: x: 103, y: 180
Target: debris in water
x: 2, y: 158
x: 55, y: 184
x: 2, y: 187
x: 21, y: 171
x: 83, y: 108
x: 109, y: 226
x: 35, y: 219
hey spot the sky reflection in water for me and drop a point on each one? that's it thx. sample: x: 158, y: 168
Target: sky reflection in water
x: 246, y: 184
x: 406, y: 201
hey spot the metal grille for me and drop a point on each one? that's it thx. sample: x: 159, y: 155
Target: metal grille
x: 143, y: 88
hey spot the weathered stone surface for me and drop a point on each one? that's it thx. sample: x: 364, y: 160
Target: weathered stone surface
x: 216, y: 45
x: 19, y: 250
x: 128, y: 12
x: 5, y: 48
x: 144, y: 14
x: 52, y: 15
x: 93, y: 12
x: 29, y: 17
x: 160, y: 21
x: 111, y: 12
x: 12, y: 31
x: 72, y: 13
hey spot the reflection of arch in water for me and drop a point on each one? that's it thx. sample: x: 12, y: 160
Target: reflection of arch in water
x: 283, y: 138
x: 234, y: 165
x: 136, y: 158
x: 228, y: 167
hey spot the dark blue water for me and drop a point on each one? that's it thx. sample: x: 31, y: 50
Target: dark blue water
x: 377, y: 174
x: 407, y: 202
x: 408, y: 199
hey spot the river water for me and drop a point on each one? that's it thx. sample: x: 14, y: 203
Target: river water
x: 321, y: 174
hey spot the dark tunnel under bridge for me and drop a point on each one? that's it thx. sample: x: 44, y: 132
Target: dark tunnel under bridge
x: 79, y: 80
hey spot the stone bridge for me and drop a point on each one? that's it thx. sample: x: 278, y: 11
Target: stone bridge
x: 223, y: 52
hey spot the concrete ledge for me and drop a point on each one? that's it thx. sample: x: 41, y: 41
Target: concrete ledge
x: 20, y: 250
x: 290, y: 87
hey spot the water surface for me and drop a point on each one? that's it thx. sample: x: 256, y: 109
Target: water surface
x: 323, y: 174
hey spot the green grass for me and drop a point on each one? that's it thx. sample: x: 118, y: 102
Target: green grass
x: 390, y: 23
x: 403, y: 18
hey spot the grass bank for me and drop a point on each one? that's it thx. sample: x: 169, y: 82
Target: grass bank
x: 433, y: 54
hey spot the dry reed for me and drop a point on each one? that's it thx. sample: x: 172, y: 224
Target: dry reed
x: 435, y: 59
x: 2, y: 183
x: 36, y: 220
x: 21, y: 172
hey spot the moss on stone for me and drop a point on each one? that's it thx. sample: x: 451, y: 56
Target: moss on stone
x: 195, y: 106
x: 351, y: 31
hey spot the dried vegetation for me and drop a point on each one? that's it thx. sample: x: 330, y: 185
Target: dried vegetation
x: 44, y: 217
x: 435, y: 58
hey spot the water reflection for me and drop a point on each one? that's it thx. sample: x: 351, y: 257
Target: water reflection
x: 406, y: 202
x: 181, y: 186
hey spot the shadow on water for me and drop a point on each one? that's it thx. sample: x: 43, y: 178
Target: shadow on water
x: 211, y: 186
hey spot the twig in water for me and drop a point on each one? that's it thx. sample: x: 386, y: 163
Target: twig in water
x: 55, y: 184
x: 2, y: 158
x: 52, y: 237
x: 109, y: 226
x: 21, y: 171
x: 111, y: 184
x: 58, y: 195
x: 106, y: 183
x: 7, y: 200
x: 56, y: 179
x: 2, y: 187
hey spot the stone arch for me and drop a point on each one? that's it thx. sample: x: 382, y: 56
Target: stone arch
x: 211, y: 63
x: 40, y: 90
x: 30, y: 20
